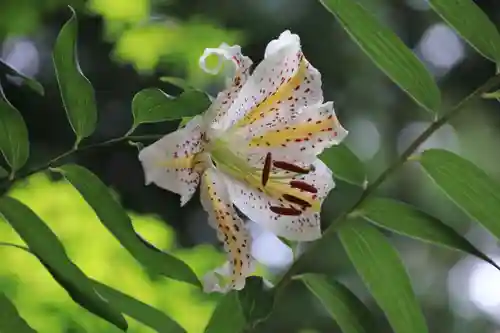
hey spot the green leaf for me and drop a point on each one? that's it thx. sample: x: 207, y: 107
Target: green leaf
x: 153, y: 105
x: 116, y: 220
x: 387, y: 51
x: 383, y: 273
x: 466, y: 185
x: 345, y: 308
x: 184, y: 121
x: 472, y: 24
x: 77, y: 92
x: 176, y: 81
x: 32, y: 83
x: 227, y: 316
x: 3, y: 173
x: 344, y: 164
x: 256, y: 300
x: 14, y: 141
x: 10, y: 319
x: 46, y: 246
x: 491, y: 95
x: 409, y: 221
x: 138, y: 310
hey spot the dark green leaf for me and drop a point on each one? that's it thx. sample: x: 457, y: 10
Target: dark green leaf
x: 47, y: 247
x: 14, y: 141
x: 472, y: 24
x: 466, y: 185
x: 411, y: 222
x: 344, y: 164
x: 77, y: 92
x: 138, y: 310
x: 32, y: 83
x: 3, y: 173
x: 176, y: 81
x: 387, y: 51
x: 10, y: 319
x: 256, y: 300
x: 153, y: 105
x: 116, y: 220
x: 345, y: 308
x: 227, y: 316
x: 383, y: 273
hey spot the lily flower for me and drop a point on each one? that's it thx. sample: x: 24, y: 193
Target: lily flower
x: 256, y: 149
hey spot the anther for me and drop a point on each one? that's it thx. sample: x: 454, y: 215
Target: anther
x: 266, y: 170
x: 290, y: 167
x: 295, y: 200
x: 285, y: 210
x: 303, y: 186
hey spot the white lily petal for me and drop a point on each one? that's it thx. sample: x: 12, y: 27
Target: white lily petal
x: 169, y: 162
x: 230, y: 228
x: 255, y: 204
x: 286, y: 39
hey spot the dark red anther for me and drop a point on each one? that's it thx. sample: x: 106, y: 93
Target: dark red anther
x: 295, y: 200
x: 285, y: 210
x: 303, y: 186
x: 290, y: 167
x: 266, y: 170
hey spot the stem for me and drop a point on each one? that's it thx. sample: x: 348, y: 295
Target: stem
x: 16, y: 246
x: 343, y: 218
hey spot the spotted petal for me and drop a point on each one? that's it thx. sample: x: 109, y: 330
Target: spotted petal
x: 230, y: 230
x: 217, y: 115
x: 170, y: 161
x: 283, y: 83
x: 299, y: 198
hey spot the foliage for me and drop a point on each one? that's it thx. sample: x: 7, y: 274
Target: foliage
x: 373, y: 256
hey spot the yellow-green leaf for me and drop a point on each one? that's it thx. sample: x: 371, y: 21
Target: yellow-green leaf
x: 387, y: 51
x: 116, y: 220
x: 383, y: 273
x: 472, y: 24
x: 344, y: 164
x: 77, y: 93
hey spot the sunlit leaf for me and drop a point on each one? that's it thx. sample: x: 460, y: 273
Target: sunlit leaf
x: 345, y: 308
x: 138, y: 310
x: 10, y: 319
x: 116, y: 220
x: 227, y: 316
x: 47, y: 247
x: 344, y: 164
x: 383, y: 273
x: 3, y: 173
x: 14, y: 141
x: 77, y: 93
x: 387, y: 51
x: 153, y: 105
x: 256, y: 300
x: 30, y: 82
x: 411, y: 222
x: 466, y: 185
x: 472, y: 24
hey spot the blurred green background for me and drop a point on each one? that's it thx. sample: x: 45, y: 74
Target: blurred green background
x: 127, y: 45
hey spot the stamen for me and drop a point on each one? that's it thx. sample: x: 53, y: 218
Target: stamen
x: 303, y: 186
x: 285, y: 210
x: 295, y: 200
x: 290, y: 167
x: 266, y: 170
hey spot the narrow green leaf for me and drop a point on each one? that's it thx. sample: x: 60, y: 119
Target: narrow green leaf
x: 138, y: 310
x: 77, y: 92
x: 409, y: 221
x: 47, y: 247
x: 387, y: 51
x: 383, y: 273
x: 472, y: 24
x: 3, y: 173
x: 344, y: 164
x: 116, y: 220
x: 227, y: 316
x: 491, y: 95
x: 10, y: 319
x: 466, y: 185
x: 153, y: 105
x: 30, y: 82
x: 14, y: 141
x: 345, y: 308
x: 256, y: 300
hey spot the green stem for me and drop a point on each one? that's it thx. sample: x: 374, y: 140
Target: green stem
x: 16, y: 246
x: 343, y: 218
